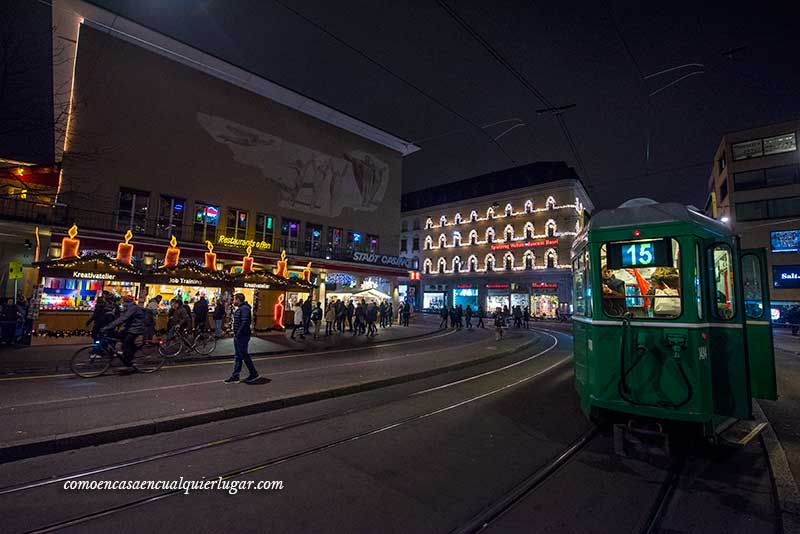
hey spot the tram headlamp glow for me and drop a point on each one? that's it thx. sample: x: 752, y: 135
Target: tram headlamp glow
x: 725, y: 219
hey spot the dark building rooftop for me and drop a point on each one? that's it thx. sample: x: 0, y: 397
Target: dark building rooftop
x: 537, y: 173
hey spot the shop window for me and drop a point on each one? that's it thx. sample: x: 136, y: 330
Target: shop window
x: 265, y: 227
x: 335, y: 241
x: 642, y: 278
x: 170, y: 216
x: 373, y: 242
x: 724, y: 290
x: 403, y: 245
x: 290, y: 235
x: 415, y: 244
x: 206, y: 219
x: 133, y: 210
x: 236, y: 223
x: 313, y: 239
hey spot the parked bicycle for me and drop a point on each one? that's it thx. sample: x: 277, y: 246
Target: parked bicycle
x: 93, y: 360
x: 176, y: 342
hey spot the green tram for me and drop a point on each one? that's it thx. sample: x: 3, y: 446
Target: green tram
x: 671, y: 319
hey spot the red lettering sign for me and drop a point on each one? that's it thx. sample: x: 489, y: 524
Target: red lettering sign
x: 526, y: 244
x: 497, y: 286
x: 543, y: 285
x: 464, y: 286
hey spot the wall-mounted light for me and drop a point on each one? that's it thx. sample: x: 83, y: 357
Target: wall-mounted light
x: 725, y: 219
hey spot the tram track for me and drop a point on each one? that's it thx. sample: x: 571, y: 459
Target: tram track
x: 280, y: 459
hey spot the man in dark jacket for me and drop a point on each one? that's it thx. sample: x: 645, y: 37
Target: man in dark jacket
x: 219, y: 317
x: 306, y: 315
x: 444, y: 314
x: 179, y: 318
x: 349, y: 312
x: 102, y: 315
x: 132, y: 321
x: 201, y: 313
x: 242, y: 318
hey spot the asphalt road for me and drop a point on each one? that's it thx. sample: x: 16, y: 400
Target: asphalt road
x: 423, y: 456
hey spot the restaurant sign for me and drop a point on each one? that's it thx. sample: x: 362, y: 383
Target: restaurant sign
x: 544, y: 285
x: 243, y: 243
x: 526, y: 244
x: 380, y: 259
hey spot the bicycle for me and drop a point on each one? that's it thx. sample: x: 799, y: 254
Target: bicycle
x: 203, y: 343
x: 93, y: 360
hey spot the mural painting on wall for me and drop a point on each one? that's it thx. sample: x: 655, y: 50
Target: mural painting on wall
x: 309, y: 180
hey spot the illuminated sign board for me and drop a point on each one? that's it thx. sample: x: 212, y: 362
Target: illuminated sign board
x: 251, y: 285
x: 786, y: 276
x: 94, y: 276
x: 497, y: 286
x: 177, y: 281
x: 465, y: 286
x: 243, y: 243
x: 785, y: 241
x: 543, y: 285
x: 526, y: 244
x: 380, y: 259
x: 633, y: 254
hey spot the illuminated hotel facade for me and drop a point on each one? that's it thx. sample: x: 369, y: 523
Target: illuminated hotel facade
x: 501, y: 239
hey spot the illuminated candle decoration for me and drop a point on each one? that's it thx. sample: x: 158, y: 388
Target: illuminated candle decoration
x: 211, y: 258
x: 173, y: 253
x: 125, y: 250
x: 281, y: 270
x: 307, y: 273
x: 247, y: 261
x: 277, y: 315
x: 70, y: 245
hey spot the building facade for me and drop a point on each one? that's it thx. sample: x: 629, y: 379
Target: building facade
x: 496, y: 240
x: 755, y: 187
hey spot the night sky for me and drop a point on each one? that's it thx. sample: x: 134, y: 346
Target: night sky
x: 570, y: 53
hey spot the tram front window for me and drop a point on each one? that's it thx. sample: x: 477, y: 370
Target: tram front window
x: 641, y: 278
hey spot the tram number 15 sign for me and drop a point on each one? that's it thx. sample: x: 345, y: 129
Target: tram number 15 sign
x: 657, y: 253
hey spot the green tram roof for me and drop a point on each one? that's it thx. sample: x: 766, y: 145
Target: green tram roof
x: 643, y: 211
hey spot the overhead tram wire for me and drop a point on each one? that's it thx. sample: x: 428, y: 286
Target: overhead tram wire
x: 521, y: 78
x: 393, y: 74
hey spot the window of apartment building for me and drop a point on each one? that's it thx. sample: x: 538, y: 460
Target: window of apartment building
x: 335, y: 240
x: 742, y: 181
x: 265, y: 227
x: 768, y: 209
x: 206, y: 219
x: 313, y: 239
x: 403, y: 245
x: 404, y: 226
x: 780, y: 143
x: 783, y: 175
x: 373, y: 242
x: 290, y: 235
x: 723, y: 190
x: 133, y: 210
x: 721, y: 163
x: 236, y: 223
x: 415, y: 264
x: 751, y: 211
x: 355, y: 240
x: 170, y: 216
x: 415, y: 244
x: 771, y: 177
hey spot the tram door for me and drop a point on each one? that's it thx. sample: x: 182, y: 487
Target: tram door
x: 760, y: 350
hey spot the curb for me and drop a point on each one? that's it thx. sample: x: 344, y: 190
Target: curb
x: 31, y: 371
x: 787, y: 495
x: 100, y: 436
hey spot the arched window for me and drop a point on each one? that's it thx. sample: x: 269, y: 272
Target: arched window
x: 490, y: 235
x: 528, y: 230
x: 528, y: 206
x: 489, y: 262
x: 509, y: 233
x: 442, y: 241
x: 442, y: 221
x: 473, y: 237
x: 529, y: 260
x: 429, y: 223
x: 551, y: 203
x: 428, y: 242
x: 442, y: 265
x: 457, y: 264
x: 508, y: 260
x: 551, y: 258
x: 550, y: 228
x: 473, y: 216
x: 457, y: 218
x: 490, y: 213
x: 509, y: 210
x: 415, y: 226
x: 473, y: 263
x: 456, y: 239
x: 427, y: 266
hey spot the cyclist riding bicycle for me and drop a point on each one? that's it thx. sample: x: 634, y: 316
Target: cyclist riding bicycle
x: 132, y: 320
x: 179, y: 320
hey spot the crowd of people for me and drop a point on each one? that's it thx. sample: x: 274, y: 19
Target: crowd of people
x: 356, y: 317
x: 459, y: 316
x: 12, y: 320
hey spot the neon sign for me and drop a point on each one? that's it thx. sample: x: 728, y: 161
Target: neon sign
x: 243, y: 243
x: 526, y: 244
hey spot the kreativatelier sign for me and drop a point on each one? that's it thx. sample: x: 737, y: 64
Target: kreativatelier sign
x: 380, y: 259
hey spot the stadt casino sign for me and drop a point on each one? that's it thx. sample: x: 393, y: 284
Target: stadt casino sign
x: 380, y: 259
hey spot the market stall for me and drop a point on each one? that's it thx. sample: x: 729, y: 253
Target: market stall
x: 188, y: 282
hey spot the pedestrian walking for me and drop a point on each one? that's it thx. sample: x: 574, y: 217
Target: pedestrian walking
x: 468, y: 316
x: 444, y: 314
x: 298, y: 319
x: 349, y: 314
x: 201, y: 313
x: 406, y: 313
x: 481, y: 313
x: 372, y: 318
x: 517, y: 317
x: 10, y: 315
x: 499, y: 323
x: 526, y: 317
x: 330, y: 318
x: 242, y: 319
x: 219, y: 317
x: 316, y: 318
x: 459, y: 311
x: 307, y: 315
x: 390, y: 314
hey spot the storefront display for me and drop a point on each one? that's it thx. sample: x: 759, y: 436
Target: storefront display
x: 466, y: 295
x: 433, y: 301
x: 544, y: 305
x: 519, y: 299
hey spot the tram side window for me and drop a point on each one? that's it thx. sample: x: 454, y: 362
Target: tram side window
x: 753, y: 290
x: 698, y: 288
x: 641, y: 277
x: 724, y: 290
x: 582, y: 285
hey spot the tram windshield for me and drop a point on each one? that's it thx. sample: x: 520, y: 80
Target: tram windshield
x: 642, y: 278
